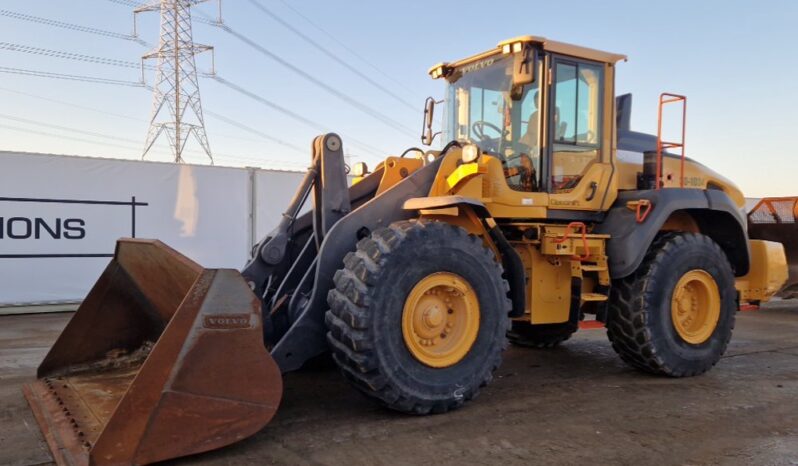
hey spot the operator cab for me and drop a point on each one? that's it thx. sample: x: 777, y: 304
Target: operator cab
x: 546, y: 131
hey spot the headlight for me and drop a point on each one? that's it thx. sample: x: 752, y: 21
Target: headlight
x: 430, y: 157
x: 360, y: 169
x: 441, y: 70
x: 470, y: 153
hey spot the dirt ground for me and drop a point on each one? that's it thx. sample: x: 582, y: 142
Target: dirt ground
x: 576, y: 404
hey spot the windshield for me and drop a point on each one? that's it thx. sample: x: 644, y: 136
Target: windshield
x: 480, y: 110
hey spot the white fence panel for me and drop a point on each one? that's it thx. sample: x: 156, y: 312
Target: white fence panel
x: 273, y: 191
x: 60, y: 217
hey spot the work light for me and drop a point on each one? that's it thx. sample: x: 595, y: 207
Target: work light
x: 470, y: 153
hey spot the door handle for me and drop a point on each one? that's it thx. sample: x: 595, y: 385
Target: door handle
x: 593, y: 189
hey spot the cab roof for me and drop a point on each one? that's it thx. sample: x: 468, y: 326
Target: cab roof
x: 548, y: 45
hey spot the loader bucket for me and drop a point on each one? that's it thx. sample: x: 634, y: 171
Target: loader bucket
x: 163, y: 359
x: 776, y: 219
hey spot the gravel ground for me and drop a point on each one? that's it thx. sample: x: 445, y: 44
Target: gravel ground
x: 575, y: 404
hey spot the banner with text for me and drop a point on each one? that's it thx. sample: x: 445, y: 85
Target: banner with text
x: 60, y: 217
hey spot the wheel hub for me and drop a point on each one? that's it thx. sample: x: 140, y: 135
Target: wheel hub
x: 440, y: 319
x: 695, y: 306
x: 433, y: 317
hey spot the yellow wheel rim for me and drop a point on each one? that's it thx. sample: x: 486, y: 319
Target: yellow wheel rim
x: 695, y: 306
x: 440, y: 319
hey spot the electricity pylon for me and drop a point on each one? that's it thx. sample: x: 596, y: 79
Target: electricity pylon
x: 176, y: 90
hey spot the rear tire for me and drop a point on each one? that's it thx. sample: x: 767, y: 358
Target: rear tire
x: 368, y: 307
x: 658, y: 327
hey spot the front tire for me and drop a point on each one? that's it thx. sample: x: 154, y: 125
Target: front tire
x: 418, y: 316
x: 675, y: 314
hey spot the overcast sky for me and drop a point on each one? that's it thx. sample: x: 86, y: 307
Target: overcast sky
x: 734, y: 60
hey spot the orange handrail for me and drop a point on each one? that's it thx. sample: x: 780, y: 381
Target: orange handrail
x: 664, y: 99
x: 585, y: 245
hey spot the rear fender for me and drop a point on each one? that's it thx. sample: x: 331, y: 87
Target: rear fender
x: 713, y: 211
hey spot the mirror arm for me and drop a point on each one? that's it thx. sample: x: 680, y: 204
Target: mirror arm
x: 427, y: 136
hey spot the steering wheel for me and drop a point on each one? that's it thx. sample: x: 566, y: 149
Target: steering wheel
x: 478, y: 128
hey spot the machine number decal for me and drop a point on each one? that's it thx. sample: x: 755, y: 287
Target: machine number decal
x: 693, y: 181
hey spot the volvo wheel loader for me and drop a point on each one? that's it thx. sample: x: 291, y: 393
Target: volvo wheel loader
x: 542, y: 207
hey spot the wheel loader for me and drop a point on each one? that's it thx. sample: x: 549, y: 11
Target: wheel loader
x: 542, y: 207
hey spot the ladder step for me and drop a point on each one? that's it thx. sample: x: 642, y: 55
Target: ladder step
x: 593, y: 268
x: 594, y: 297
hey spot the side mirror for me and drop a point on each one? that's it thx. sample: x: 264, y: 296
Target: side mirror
x: 427, y: 135
x: 525, y: 62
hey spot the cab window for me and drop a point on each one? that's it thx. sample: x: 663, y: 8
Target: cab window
x: 576, y: 128
x: 481, y: 110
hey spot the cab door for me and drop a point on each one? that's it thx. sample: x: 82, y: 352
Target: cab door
x: 578, y: 171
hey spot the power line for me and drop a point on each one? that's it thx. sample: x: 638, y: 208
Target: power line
x: 291, y: 114
x: 331, y: 55
x: 268, y: 103
x: 70, y: 26
x: 346, y: 47
x: 125, y: 2
x: 375, y: 152
x: 69, y: 77
x: 110, y: 61
x: 71, y: 56
x: 129, y: 147
x: 70, y: 104
x: 100, y: 135
x: 61, y: 136
x: 254, y: 131
x: 217, y: 116
x: 134, y: 4
x: 209, y: 22
x: 66, y: 128
x: 341, y: 95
